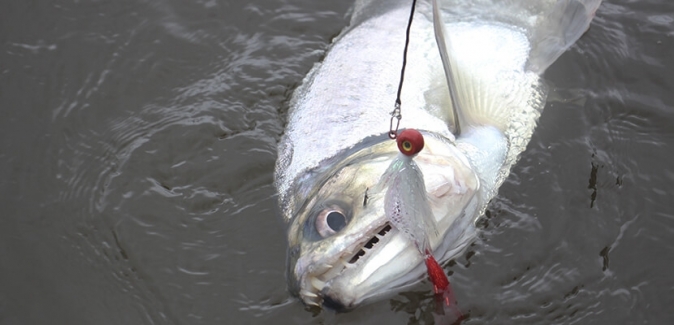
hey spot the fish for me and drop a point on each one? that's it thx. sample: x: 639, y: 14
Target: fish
x: 472, y: 87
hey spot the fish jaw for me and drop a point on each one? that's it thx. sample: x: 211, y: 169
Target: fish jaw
x: 344, y: 281
x: 370, y: 258
x: 384, y: 270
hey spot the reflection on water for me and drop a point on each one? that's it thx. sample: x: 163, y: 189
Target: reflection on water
x: 138, y: 144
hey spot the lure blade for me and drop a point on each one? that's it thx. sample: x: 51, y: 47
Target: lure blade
x: 405, y: 203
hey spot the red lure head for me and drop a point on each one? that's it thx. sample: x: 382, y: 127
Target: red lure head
x: 410, y: 142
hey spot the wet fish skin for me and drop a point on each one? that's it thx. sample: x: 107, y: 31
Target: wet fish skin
x: 335, y: 147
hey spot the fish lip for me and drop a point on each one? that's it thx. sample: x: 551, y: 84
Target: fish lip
x: 334, y: 304
x: 315, y: 286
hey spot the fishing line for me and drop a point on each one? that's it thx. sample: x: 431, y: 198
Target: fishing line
x: 396, y: 114
x: 405, y: 204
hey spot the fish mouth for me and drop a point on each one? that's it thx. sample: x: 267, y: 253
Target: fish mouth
x: 371, y: 243
x: 317, y: 284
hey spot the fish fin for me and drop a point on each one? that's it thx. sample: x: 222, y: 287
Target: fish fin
x: 493, y: 50
x: 476, y: 66
x: 558, y: 30
x: 439, y: 29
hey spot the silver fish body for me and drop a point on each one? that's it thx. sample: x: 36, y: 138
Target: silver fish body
x: 342, y: 251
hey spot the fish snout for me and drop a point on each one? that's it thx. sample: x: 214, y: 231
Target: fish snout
x: 334, y: 305
x: 334, y: 302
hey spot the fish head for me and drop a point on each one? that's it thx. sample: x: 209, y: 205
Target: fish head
x: 343, y: 251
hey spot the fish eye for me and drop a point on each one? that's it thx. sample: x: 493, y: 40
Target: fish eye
x: 326, y: 219
x: 330, y: 220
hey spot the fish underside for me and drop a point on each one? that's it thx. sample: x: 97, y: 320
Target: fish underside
x: 472, y: 87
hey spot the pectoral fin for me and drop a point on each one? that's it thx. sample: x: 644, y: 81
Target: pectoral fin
x: 439, y: 29
x: 475, y: 99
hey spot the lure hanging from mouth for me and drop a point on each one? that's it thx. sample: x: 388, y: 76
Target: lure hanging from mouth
x: 407, y: 208
x: 405, y: 203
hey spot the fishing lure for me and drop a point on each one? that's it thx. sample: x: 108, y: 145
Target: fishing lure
x: 405, y: 203
x: 407, y: 208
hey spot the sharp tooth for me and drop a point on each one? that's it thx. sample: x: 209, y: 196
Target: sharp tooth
x: 335, y: 271
x: 344, y: 263
x: 308, y: 294
x: 311, y: 302
x: 318, y: 284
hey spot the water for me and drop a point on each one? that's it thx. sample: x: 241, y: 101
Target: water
x: 137, y: 143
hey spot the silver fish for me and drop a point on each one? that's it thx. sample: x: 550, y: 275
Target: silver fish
x: 342, y: 251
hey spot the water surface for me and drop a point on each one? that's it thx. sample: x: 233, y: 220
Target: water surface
x: 137, y: 145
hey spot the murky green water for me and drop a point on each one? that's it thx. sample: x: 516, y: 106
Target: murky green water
x: 137, y: 144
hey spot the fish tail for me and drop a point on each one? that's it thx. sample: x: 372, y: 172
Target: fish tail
x: 558, y: 30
